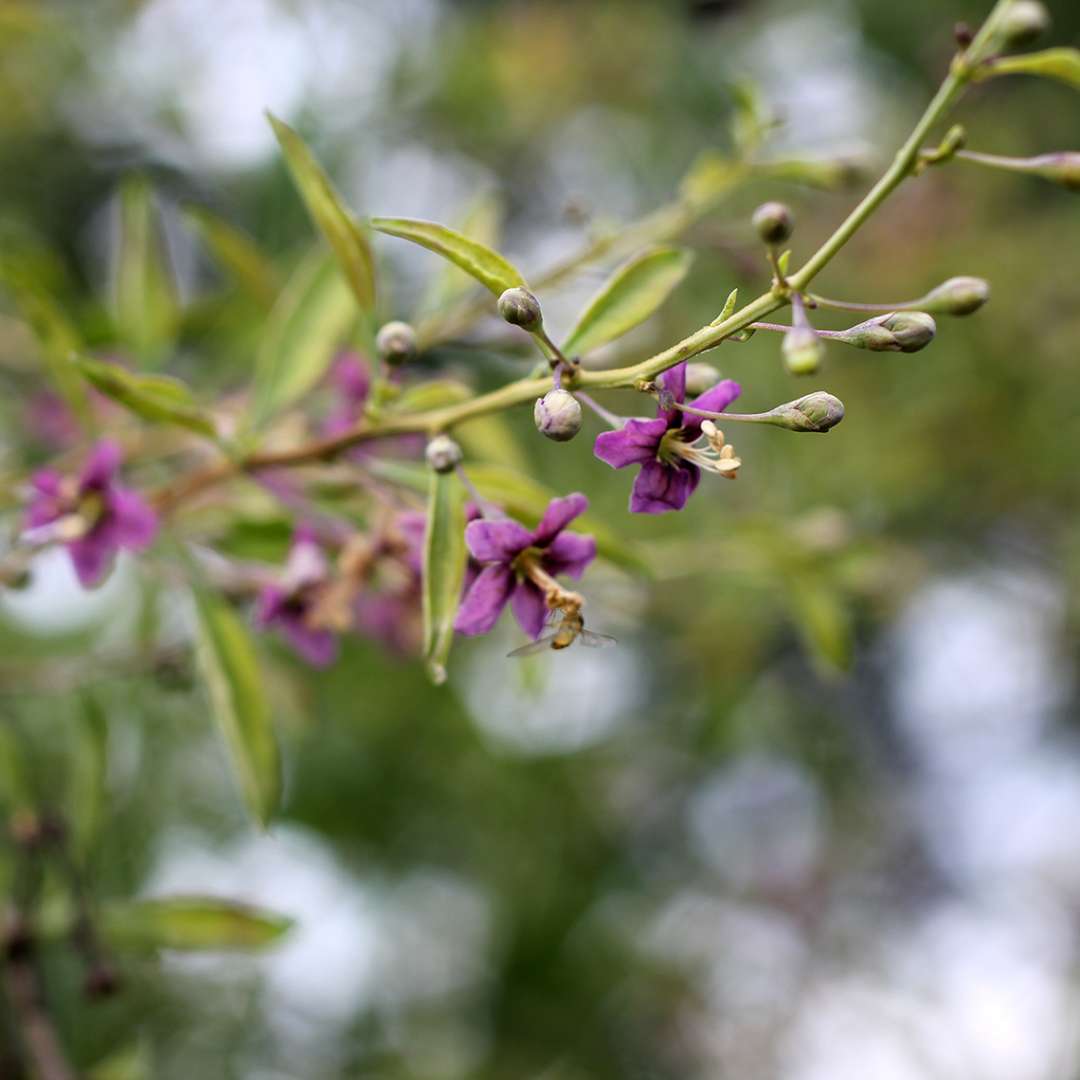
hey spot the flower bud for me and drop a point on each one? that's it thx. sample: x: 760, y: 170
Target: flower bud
x: 957, y: 296
x: 1062, y: 168
x: 773, y: 222
x: 803, y: 351
x: 1024, y: 21
x: 396, y: 343
x: 443, y: 454
x: 911, y: 330
x: 699, y: 378
x: 520, y: 308
x: 902, y: 331
x: 557, y: 415
x: 816, y: 412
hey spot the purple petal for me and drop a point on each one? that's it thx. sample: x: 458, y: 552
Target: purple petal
x: 133, y: 523
x: 318, y: 647
x: 351, y: 378
x: 673, y: 381
x: 45, y: 505
x: 390, y: 619
x: 659, y: 487
x: 270, y: 605
x: 413, y: 526
x: 716, y: 399
x: 636, y: 442
x: 569, y: 554
x: 529, y: 608
x: 92, y: 556
x: 557, y: 516
x: 101, y: 466
x: 497, y: 541
x: 482, y: 606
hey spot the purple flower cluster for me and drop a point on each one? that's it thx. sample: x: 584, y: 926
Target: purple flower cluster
x: 92, y: 514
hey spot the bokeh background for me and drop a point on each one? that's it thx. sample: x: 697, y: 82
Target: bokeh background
x: 816, y: 817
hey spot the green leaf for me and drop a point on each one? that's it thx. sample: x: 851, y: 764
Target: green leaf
x: 482, y: 223
x: 313, y: 316
x: 55, y: 334
x: 628, y: 298
x: 346, y: 236
x: 191, y: 923
x: 830, y: 174
x: 146, y: 304
x: 709, y: 178
x: 1062, y: 64
x: 729, y: 308
x: 240, y: 705
x: 751, y: 120
x: 823, y: 622
x: 475, y: 258
x: 444, y: 568
x: 237, y: 254
x: 89, y: 765
x: 157, y: 398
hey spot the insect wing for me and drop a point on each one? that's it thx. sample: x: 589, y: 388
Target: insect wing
x: 596, y: 641
x: 533, y: 647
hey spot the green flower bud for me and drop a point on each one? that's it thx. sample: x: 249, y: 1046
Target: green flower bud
x: 699, y: 378
x: 520, y: 308
x: 396, y: 343
x: 816, y: 412
x: 558, y: 415
x: 443, y: 454
x: 1062, y: 168
x: 957, y: 296
x: 773, y: 222
x: 902, y: 331
x: 1024, y: 21
x: 803, y: 351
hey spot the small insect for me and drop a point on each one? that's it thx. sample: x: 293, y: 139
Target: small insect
x: 571, y: 628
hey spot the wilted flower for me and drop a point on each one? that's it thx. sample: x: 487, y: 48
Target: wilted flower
x: 289, y: 604
x: 514, y: 559
x: 667, y: 448
x: 92, y: 515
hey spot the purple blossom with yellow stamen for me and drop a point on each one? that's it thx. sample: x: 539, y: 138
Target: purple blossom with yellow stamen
x: 93, y: 515
x: 508, y: 551
x: 672, y: 449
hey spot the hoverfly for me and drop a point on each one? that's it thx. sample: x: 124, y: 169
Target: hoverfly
x: 571, y: 628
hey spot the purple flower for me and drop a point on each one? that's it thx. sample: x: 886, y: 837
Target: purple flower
x: 665, y: 448
x: 351, y: 379
x: 508, y: 551
x: 92, y: 514
x: 289, y: 605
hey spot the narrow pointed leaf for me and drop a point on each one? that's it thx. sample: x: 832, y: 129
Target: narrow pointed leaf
x: 238, y: 255
x: 823, y: 623
x: 482, y: 223
x: 475, y: 258
x: 146, y: 303
x: 88, y: 776
x: 191, y: 923
x: 241, y: 708
x: 346, y: 235
x: 729, y: 308
x: 444, y: 568
x: 1062, y: 64
x: 157, y: 398
x: 312, y: 318
x: 628, y: 298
